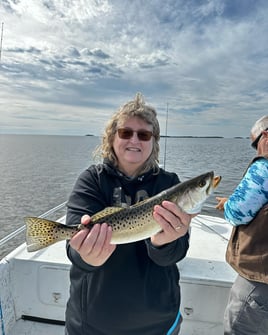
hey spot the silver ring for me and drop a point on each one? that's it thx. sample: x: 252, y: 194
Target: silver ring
x: 178, y: 228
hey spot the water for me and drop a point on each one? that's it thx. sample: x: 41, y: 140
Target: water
x: 38, y: 172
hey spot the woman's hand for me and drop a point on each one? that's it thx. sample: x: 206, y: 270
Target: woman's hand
x: 93, y: 244
x: 221, y: 202
x: 174, y: 222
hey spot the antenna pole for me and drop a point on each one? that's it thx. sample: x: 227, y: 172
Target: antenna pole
x: 165, y: 151
x: 1, y: 42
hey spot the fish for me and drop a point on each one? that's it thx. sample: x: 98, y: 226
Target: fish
x: 129, y: 224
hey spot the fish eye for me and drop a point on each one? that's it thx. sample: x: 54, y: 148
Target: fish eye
x: 202, y: 183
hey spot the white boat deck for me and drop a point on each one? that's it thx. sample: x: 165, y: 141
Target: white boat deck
x: 205, y: 277
x: 35, y: 286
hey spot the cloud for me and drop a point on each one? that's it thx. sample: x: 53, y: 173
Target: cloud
x: 206, y: 59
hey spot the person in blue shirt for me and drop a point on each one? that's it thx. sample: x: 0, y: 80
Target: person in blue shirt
x: 247, y: 252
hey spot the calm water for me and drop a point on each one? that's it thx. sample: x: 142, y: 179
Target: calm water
x: 38, y: 172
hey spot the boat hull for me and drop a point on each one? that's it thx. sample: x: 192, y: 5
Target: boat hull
x: 35, y: 286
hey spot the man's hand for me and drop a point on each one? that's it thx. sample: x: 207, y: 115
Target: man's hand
x: 221, y: 202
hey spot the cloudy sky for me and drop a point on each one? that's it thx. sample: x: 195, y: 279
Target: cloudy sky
x: 67, y: 65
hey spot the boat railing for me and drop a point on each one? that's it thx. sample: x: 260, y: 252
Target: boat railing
x: 15, y: 233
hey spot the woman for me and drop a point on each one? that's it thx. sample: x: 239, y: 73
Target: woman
x: 129, y: 289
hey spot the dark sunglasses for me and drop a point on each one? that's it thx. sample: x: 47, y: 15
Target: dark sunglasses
x: 254, y: 144
x: 127, y: 133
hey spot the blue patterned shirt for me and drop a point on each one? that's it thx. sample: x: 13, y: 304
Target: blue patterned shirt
x: 250, y: 195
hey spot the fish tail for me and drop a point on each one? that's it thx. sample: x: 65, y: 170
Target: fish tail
x: 41, y: 233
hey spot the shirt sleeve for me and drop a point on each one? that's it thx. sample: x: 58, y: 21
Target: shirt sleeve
x: 170, y: 253
x: 84, y: 199
x: 250, y: 195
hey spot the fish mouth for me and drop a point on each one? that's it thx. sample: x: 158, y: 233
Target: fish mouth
x: 216, y: 181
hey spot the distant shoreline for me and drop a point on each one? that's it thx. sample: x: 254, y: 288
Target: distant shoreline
x: 174, y: 136
x: 162, y: 136
x: 171, y: 136
x: 189, y: 136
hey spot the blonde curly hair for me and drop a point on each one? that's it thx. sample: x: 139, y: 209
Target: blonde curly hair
x: 133, y: 108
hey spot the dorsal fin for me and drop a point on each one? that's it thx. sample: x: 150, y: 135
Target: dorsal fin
x: 106, y: 211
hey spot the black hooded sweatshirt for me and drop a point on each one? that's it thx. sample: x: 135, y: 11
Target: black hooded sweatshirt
x: 136, y: 291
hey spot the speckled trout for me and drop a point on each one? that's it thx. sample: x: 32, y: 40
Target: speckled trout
x: 129, y: 224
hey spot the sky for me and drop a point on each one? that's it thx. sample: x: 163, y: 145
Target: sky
x: 67, y: 65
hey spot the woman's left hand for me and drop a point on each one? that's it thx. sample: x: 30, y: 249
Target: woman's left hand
x: 174, y: 222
